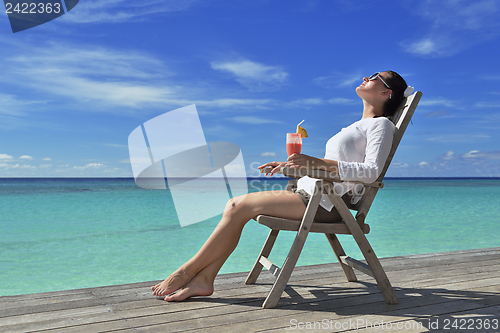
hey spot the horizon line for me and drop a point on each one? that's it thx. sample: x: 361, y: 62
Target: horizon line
x: 260, y: 177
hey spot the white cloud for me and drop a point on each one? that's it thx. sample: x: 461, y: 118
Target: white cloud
x: 449, y: 155
x: 340, y: 100
x: 115, y: 145
x: 90, y: 165
x: 305, y: 102
x: 90, y: 74
x: 255, y: 120
x: 476, y: 154
x: 17, y: 166
x: 126, y: 94
x: 490, y: 77
x: 338, y: 80
x: 487, y: 105
x: 458, y: 138
x: 26, y: 157
x: 425, y: 46
x: 46, y: 159
x: 399, y: 165
x: 114, y: 81
x: 269, y: 154
x: 232, y: 102
x: 437, y: 101
x: 308, y: 102
x: 50, y: 170
x: 101, y: 11
x: 463, y: 167
x: 10, y: 105
x: 453, y: 26
x: 438, y: 113
x: 254, y: 76
x: 5, y: 157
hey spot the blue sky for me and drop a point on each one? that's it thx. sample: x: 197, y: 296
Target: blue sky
x: 73, y: 89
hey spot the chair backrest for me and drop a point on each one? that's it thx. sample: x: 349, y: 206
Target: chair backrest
x: 401, y: 119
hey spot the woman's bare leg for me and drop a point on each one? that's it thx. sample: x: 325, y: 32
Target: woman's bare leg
x: 202, y: 284
x: 225, y: 237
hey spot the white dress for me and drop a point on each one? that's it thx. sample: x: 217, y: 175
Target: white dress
x: 361, y: 150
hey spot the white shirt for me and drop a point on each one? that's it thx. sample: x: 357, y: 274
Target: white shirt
x: 361, y: 150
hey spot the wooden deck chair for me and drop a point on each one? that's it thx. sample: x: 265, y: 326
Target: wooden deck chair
x: 350, y: 225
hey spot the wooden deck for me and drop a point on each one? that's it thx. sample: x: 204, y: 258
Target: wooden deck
x: 433, y: 289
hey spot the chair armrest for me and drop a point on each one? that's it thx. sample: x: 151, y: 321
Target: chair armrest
x: 315, y: 173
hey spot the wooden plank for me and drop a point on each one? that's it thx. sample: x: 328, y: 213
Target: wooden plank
x: 470, y: 276
x: 360, y: 266
x: 268, y: 264
x: 279, y: 223
x: 149, y: 321
x: 179, y: 304
x: 337, y: 302
x: 266, y: 250
x: 341, y: 309
x: 359, y: 309
x: 314, y: 271
x: 326, y: 271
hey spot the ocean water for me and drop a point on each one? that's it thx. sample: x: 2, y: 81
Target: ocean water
x: 58, y: 234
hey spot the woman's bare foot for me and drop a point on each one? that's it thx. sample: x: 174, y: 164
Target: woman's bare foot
x: 175, y: 281
x: 198, y: 286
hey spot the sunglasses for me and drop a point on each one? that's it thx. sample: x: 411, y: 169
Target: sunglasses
x: 377, y: 75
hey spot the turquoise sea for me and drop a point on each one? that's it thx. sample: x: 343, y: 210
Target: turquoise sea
x: 58, y: 234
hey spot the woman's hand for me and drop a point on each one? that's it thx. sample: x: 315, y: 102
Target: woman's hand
x: 296, y: 161
x: 275, y: 165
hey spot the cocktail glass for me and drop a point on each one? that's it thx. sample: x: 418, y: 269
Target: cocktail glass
x: 293, y: 143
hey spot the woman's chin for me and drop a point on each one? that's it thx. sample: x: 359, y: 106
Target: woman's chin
x: 359, y: 91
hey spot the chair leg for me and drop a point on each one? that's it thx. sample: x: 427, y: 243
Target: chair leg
x: 281, y: 281
x: 378, y: 271
x: 365, y: 247
x: 339, y: 251
x: 266, y: 250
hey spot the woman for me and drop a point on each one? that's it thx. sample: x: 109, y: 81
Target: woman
x: 358, y: 152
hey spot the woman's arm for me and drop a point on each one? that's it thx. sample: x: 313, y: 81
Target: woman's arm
x: 310, y: 162
x: 305, y: 161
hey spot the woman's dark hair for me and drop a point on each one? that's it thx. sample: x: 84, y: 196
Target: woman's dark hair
x: 398, y: 86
